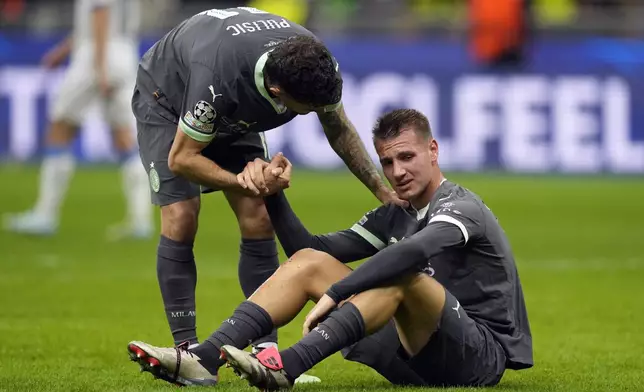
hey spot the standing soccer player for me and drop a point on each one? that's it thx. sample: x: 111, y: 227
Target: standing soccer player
x: 104, y: 52
x: 205, y: 94
x: 442, y: 269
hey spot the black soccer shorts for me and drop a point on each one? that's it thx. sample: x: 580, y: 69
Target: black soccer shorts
x: 461, y: 352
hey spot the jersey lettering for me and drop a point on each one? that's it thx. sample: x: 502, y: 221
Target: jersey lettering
x: 252, y: 10
x: 250, y: 27
x: 219, y: 14
x: 225, y: 14
x: 246, y: 27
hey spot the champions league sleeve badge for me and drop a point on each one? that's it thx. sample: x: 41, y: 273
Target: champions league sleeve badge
x: 204, y: 112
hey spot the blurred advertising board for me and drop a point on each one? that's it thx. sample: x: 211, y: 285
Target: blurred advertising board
x: 577, y: 107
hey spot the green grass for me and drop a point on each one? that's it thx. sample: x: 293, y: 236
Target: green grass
x: 70, y: 303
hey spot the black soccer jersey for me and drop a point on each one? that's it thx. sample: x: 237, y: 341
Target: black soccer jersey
x: 211, y: 70
x: 456, y: 239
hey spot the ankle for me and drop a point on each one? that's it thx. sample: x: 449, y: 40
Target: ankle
x: 209, y: 356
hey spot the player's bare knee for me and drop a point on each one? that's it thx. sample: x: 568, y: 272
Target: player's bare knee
x: 309, y: 264
x: 175, y: 163
x: 315, y: 260
x: 298, y: 263
x: 395, y: 292
x: 179, y: 220
x: 306, y: 261
x: 422, y: 283
x: 308, y: 254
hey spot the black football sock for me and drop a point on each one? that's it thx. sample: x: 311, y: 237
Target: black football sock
x: 258, y: 260
x: 177, y: 275
x: 248, y: 322
x: 342, y: 328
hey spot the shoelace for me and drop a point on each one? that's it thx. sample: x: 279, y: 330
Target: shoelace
x: 182, y: 347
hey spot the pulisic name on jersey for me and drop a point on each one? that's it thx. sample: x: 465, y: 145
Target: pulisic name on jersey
x: 246, y: 27
x: 259, y: 25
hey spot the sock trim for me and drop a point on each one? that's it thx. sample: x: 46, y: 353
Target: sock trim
x: 166, y: 241
x: 256, y: 240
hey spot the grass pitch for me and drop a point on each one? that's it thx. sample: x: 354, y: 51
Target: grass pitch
x: 70, y: 303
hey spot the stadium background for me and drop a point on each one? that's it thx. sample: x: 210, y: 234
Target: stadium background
x: 543, y: 119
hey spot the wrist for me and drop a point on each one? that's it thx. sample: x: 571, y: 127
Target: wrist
x: 336, y: 297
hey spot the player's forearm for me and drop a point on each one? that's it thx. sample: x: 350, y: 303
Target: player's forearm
x: 100, y: 30
x: 398, y: 260
x: 289, y: 229
x: 203, y: 171
x: 294, y: 236
x: 346, y: 142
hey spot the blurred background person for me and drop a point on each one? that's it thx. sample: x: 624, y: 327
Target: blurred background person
x: 103, y: 50
x: 499, y: 31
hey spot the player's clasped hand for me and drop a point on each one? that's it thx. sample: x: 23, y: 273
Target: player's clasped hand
x: 262, y: 178
x: 324, y: 306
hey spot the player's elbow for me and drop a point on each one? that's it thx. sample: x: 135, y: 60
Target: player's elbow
x: 177, y: 162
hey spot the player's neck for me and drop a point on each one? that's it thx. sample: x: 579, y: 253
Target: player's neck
x: 425, y: 198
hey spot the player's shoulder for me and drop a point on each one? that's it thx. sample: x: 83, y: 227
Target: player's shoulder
x: 380, y: 215
x: 453, y: 196
x: 379, y: 211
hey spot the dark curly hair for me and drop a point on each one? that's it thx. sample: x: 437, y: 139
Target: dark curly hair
x: 303, y: 67
x: 390, y: 124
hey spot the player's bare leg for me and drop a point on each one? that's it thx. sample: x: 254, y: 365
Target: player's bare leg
x: 56, y: 171
x: 307, y: 275
x: 416, y: 303
x: 138, y: 223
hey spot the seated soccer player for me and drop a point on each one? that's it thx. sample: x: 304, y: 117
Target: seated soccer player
x: 439, y: 303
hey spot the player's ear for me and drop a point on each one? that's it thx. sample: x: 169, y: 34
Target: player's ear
x: 275, y: 90
x: 433, y: 148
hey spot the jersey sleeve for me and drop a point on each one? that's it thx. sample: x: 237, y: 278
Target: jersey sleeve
x: 346, y: 245
x: 198, y: 110
x: 372, y: 227
x: 450, y: 226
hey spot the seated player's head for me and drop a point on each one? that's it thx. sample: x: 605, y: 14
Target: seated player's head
x: 408, y: 152
x: 302, y: 74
